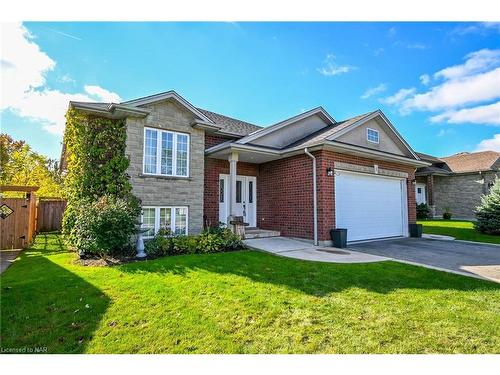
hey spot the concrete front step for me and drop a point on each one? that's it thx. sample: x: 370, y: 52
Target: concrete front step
x: 260, y: 233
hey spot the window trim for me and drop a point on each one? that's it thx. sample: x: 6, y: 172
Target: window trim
x: 172, y: 218
x: 159, y: 137
x: 368, y: 138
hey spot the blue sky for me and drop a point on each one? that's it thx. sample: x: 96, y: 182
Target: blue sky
x: 439, y: 83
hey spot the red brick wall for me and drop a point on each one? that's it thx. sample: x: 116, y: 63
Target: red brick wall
x: 213, y: 140
x: 213, y: 168
x: 326, y: 187
x: 284, y: 192
x: 284, y: 197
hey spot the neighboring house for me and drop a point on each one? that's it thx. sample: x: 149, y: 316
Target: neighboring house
x: 193, y: 168
x: 456, y: 183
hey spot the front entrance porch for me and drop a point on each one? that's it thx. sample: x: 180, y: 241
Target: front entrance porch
x: 245, y: 200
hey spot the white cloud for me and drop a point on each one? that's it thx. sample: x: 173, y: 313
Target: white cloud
x: 491, y: 144
x: 425, y: 79
x: 482, y: 28
x: 477, y: 62
x: 378, y: 51
x: 398, y: 97
x: 374, y: 91
x: 463, y: 93
x: 485, y: 114
x: 453, y: 93
x: 24, y: 67
x: 416, y: 46
x: 444, y: 132
x: 331, y: 68
x: 102, y: 94
x: 391, y: 32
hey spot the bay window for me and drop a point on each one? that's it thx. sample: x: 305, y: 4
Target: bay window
x: 174, y: 219
x: 166, y: 153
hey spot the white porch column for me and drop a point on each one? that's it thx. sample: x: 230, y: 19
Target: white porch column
x: 233, y: 161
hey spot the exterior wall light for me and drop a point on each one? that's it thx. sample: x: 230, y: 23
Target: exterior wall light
x: 329, y: 171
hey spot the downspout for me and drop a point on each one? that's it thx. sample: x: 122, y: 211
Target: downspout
x: 315, y: 197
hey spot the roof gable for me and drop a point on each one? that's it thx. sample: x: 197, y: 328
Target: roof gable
x: 381, y: 123
x: 290, y: 130
x: 165, y: 96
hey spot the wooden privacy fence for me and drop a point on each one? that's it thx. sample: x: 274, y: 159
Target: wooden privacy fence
x: 21, y: 218
x: 17, y: 218
x: 49, y: 214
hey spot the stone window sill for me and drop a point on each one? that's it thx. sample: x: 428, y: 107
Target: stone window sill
x: 160, y: 177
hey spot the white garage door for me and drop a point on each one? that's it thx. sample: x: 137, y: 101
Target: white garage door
x: 370, y: 206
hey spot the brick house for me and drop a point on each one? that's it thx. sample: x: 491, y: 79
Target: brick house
x: 301, y: 177
x: 456, y: 183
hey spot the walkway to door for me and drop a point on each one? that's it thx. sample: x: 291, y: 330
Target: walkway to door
x: 291, y: 248
x: 7, y: 257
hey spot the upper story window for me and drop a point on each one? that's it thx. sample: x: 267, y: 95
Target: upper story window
x: 166, y: 153
x: 372, y: 135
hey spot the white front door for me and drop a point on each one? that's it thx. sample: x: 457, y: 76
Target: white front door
x: 246, y: 199
x: 370, y: 206
x: 420, y: 195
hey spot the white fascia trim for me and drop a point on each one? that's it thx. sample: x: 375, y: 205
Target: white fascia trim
x: 169, y: 95
x: 400, y: 159
x: 232, y: 146
x: 123, y: 108
x: 282, y: 124
x: 111, y: 110
x: 204, y: 125
x: 369, y: 117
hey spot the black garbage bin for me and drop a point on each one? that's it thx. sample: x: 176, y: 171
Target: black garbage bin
x: 416, y: 230
x: 339, y: 237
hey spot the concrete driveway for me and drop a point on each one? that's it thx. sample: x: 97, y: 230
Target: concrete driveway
x: 291, y: 248
x: 470, y: 259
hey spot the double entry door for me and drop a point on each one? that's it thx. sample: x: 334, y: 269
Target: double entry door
x: 246, y: 198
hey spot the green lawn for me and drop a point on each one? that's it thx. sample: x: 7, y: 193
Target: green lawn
x: 242, y: 302
x: 460, y: 229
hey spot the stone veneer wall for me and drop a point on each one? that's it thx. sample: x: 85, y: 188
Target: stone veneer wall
x: 461, y: 194
x: 162, y: 190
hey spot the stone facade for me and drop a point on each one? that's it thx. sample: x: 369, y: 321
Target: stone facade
x: 163, y: 190
x: 460, y: 193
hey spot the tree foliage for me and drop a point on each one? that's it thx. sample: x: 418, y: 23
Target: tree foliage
x: 21, y: 165
x: 488, y: 212
x: 95, y: 154
x: 101, y: 213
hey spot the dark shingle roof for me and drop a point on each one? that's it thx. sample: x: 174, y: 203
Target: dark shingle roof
x: 432, y: 170
x: 429, y: 158
x: 230, y: 125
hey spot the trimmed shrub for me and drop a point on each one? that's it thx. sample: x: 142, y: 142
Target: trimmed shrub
x: 423, y: 211
x: 105, y: 226
x: 447, y: 214
x: 184, y: 245
x: 160, y: 245
x: 212, y: 240
x: 488, y: 212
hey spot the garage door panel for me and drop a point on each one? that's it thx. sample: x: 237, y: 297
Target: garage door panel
x: 368, y: 206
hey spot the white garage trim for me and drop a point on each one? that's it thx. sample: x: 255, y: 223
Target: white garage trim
x: 370, y: 206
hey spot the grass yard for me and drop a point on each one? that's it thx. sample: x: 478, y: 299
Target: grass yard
x: 460, y: 229
x: 242, y: 302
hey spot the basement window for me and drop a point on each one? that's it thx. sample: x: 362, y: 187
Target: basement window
x: 372, y: 135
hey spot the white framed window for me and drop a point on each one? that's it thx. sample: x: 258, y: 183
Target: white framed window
x: 166, y: 153
x: 174, y: 219
x: 372, y: 135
